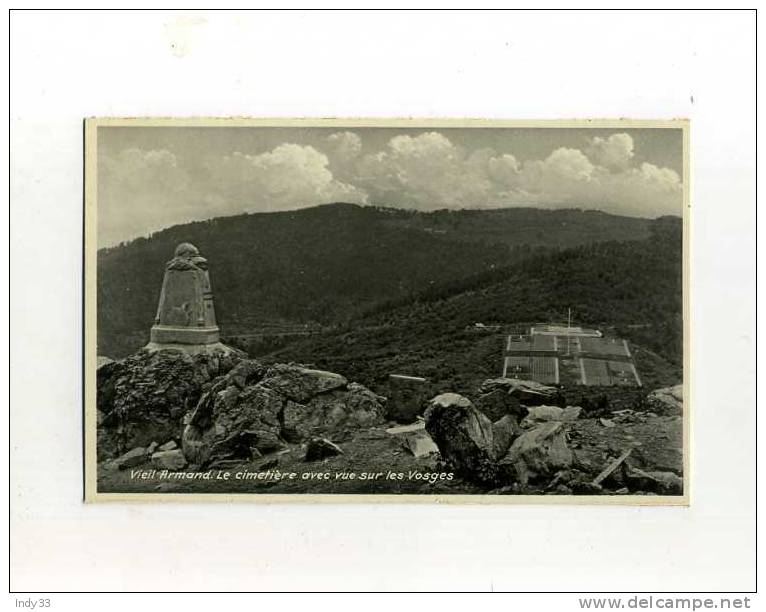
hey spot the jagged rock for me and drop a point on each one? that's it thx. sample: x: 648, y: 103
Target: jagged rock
x: 463, y: 434
x: 169, y: 460
x: 662, y: 483
x: 527, y: 392
x: 498, y: 403
x: 246, y: 372
x: 102, y: 361
x: 543, y: 413
x: 301, y: 384
x: 667, y: 401
x: 132, y: 458
x: 539, y: 414
x: 225, y: 425
x: 538, y: 453
x: 355, y: 407
x: 504, y: 432
x: 264, y: 441
x: 583, y: 487
x: 405, y: 429
x: 144, y: 397
x: 571, y: 413
x: 420, y: 445
x: 171, y: 445
x: 252, y: 410
x: 105, y: 383
x: 406, y: 398
x: 320, y: 448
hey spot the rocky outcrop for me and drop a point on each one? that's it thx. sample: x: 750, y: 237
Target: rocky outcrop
x: 667, y: 401
x: 463, y: 434
x: 504, y: 432
x: 133, y: 458
x: 172, y: 460
x: 537, y: 454
x: 321, y: 448
x: 501, y: 396
x: 255, y: 410
x: 144, y: 397
x: 527, y: 392
x: 222, y: 406
x: 301, y: 384
x: 661, y: 483
x: 501, y: 452
x: 541, y: 414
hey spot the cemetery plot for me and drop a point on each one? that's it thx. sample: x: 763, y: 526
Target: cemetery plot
x: 545, y: 370
x: 604, y: 346
x: 609, y: 373
x: 569, y: 359
x: 595, y: 372
x: 517, y: 367
x: 518, y: 344
x: 543, y: 343
x: 623, y: 373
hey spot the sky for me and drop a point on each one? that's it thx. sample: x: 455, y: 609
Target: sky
x: 150, y: 178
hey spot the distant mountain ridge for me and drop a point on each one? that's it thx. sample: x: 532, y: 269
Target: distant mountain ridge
x: 328, y: 264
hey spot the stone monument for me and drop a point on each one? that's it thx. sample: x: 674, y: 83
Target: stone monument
x: 185, y: 317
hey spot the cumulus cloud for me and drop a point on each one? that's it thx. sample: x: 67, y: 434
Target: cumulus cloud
x: 428, y: 171
x: 289, y: 176
x: 144, y: 190
x: 614, y: 152
x: 344, y: 146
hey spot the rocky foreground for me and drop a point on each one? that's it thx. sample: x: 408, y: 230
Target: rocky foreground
x: 168, y: 421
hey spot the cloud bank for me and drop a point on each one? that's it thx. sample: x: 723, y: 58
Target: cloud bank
x: 141, y: 191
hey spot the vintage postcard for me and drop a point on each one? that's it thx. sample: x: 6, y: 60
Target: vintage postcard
x: 386, y: 310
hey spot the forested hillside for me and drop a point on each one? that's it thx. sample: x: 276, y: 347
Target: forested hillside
x: 328, y: 265
x: 631, y: 289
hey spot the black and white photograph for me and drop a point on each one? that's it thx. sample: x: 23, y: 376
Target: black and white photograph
x: 341, y: 307
x: 386, y: 308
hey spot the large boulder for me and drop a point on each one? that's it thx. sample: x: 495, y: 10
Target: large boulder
x: 172, y: 460
x: 497, y: 403
x: 254, y: 410
x: 538, y: 453
x: 301, y: 384
x: 321, y: 448
x: 353, y: 407
x: 144, y: 397
x: 504, y: 432
x: 231, y: 423
x: 463, y: 434
x: 525, y: 392
x: 661, y: 483
x: 667, y: 401
x: 406, y: 397
x: 540, y: 414
x: 134, y: 457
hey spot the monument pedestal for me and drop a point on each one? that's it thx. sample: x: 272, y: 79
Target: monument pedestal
x: 185, y: 317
